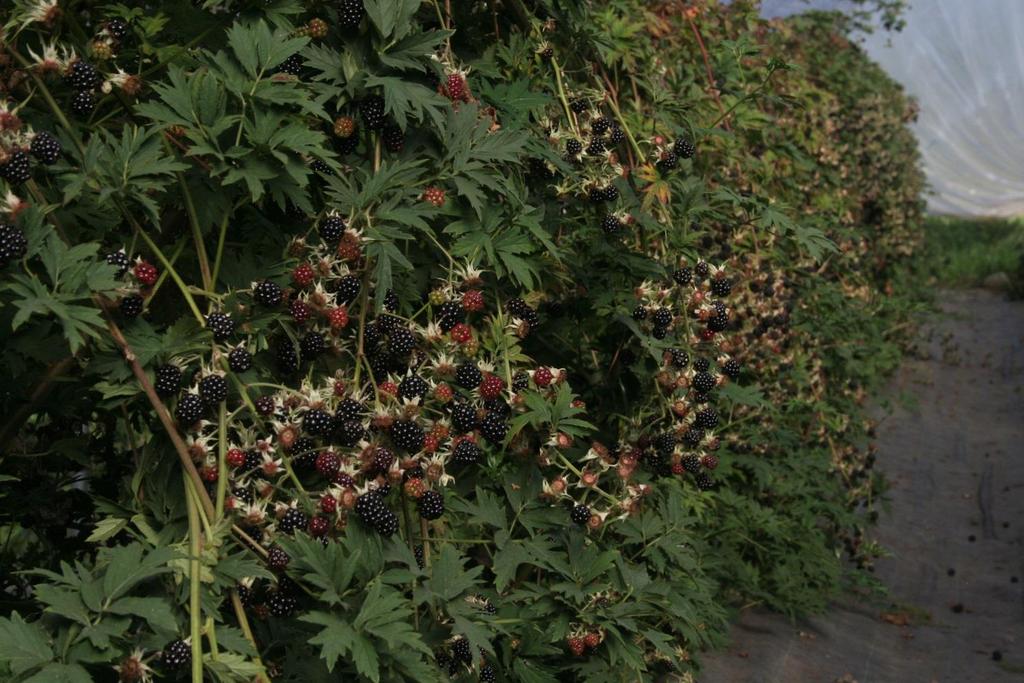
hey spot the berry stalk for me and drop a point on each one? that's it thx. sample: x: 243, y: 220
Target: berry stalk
x: 194, y: 606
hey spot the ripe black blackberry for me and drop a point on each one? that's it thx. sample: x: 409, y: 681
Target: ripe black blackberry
x: 703, y: 481
x: 17, y: 169
x: 45, y: 148
x: 493, y: 428
x: 487, y: 674
x: 684, y: 148
x: 463, y: 418
x: 701, y: 364
x: 83, y: 76
x: 117, y: 29
x: 282, y: 604
x: 407, y: 435
x: 691, y: 463
x: 213, y: 389
x: 82, y: 103
x: 662, y: 317
x: 393, y: 138
x: 706, y: 419
x: 320, y: 166
x: 190, y: 409
x: 348, y: 289
x: 693, y: 437
x: 293, y: 519
x: 600, y: 125
x: 349, y: 433
x: 246, y: 595
x: 292, y: 66
x: 350, y: 14
x: 721, y: 286
x: 517, y: 307
x: 683, y: 276
x: 611, y: 224
x: 679, y: 358
x: 580, y: 515
x: 573, y: 146
x: 372, y: 111
x: 288, y: 359
x: 664, y: 444
x: 719, y: 322
x: 387, y: 323
x: 220, y: 325
x: 703, y: 382
x: 659, y: 332
x: 450, y: 314
x: 370, y: 507
x: 420, y: 559
x: 304, y: 453
x: 401, y: 342
x: 520, y: 309
x: 388, y: 523
x: 265, y: 405
x: 168, y: 380
x: 702, y: 269
x: 668, y: 162
x: 119, y: 260
x: 731, y: 368
x: 617, y: 135
x: 639, y: 314
x: 277, y: 559
x: 267, y: 293
x: 332, y: 228
x: 412, y: 387
x: 466, y: 452
x: 610, y: 193
x: 498, y: 406
x: 391, y: 301
x: 131, y: 306
x: 239, y: 360
x: 431, y: 505
x: 461, y: 651
x: 312, y: 345
x: 468, y: 376
x: 177, y: 655
x: 253, y: 460
x: 349, y: 409
x: 596, y: 147
x: 579, y: 105
x: 317, y: 422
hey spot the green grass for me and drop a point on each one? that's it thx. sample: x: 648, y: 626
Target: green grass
x: 964, y: 251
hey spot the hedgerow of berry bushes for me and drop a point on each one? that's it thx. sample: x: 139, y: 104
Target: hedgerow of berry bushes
x: 392, y: 340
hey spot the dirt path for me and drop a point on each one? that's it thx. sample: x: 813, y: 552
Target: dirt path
x: 954, y: 457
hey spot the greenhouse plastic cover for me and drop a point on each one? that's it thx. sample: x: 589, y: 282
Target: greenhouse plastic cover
x: 964, y: 62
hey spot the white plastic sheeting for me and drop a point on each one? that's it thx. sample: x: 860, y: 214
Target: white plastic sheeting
x: 964, y: 62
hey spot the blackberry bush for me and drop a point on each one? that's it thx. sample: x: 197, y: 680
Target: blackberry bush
x: 437, y: 319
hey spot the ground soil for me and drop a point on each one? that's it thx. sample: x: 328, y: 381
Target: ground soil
x: 951, y: 444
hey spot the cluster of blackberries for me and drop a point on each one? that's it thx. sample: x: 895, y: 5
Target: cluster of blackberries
x: 84, y: 79
x: 280, y: 598
x: 668, y: 160
x: 374, y: 512
x: 455, y: 657
x: 518, y: 308
x: 17, y: 166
